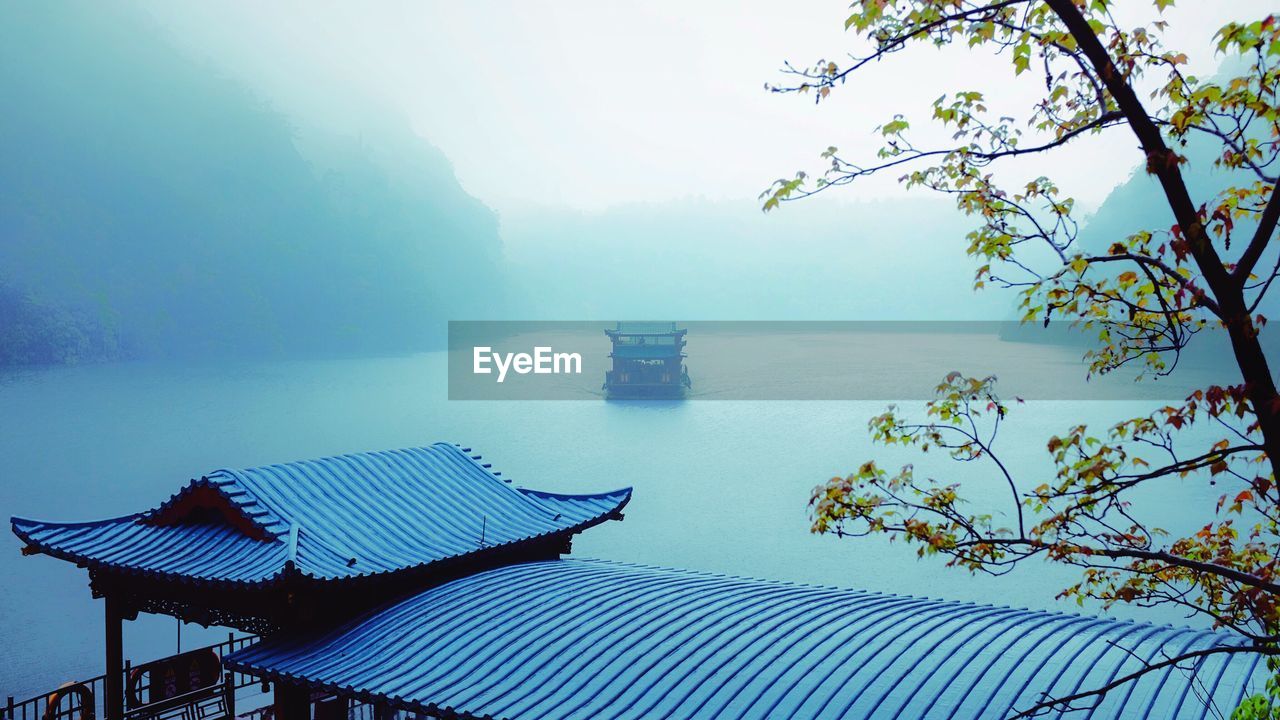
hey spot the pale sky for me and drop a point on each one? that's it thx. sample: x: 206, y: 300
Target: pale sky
x: 593, y: 104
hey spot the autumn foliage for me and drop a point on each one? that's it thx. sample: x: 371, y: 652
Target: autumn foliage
x: 1144, y: 300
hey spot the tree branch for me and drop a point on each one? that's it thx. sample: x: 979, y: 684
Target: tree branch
x: 1160, y: 159
x: 1163, y: 163
x: 1261, y: 237
x: 896, y: 42
x: 1239, y: 576
x: 1045, y: 705
x: 1200, y: 295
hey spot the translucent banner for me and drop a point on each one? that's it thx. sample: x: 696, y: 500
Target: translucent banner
x: 745, y: 360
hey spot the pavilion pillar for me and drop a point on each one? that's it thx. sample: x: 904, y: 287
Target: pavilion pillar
x: 293, y: 702
x: 113, y: 685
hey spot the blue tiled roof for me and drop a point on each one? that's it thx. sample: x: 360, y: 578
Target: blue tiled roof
x: 628, y: 327
x: 332, y: 518
x: 574, y: 639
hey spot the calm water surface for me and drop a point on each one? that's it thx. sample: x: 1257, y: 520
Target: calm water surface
x: 719, y: 486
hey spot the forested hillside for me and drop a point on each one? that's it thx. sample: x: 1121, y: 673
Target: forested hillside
x: 159, y: 206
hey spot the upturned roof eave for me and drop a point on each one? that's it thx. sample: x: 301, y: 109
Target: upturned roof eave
x: 290, y: 568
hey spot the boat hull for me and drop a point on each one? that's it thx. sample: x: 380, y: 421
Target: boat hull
x: 644, y: 391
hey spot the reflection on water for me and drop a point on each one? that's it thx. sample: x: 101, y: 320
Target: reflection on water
x: 718, y: 486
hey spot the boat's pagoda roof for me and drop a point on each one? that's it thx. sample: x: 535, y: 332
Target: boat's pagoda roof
x: 636, y: 329
x: 573, y: 639
x: 331, y: 519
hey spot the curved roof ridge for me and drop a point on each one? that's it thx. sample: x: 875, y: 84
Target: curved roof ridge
x: 474, y: 458
x: 18, y: 519
x: 572, y: 638
x: 260, y: 561
x: 564, y: 496
x: 355, y: 454
x: 580, y: 507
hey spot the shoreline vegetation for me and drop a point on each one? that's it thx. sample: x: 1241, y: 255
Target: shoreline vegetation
x: 35, y: 331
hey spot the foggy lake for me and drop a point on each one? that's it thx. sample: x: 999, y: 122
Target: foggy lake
x: 719, y: 486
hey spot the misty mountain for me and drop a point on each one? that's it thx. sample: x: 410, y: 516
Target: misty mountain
x: 160, y: 201
x: 1139, y: 204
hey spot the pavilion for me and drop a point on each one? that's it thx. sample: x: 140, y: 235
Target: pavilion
x: 309, y: 543
x: 419, y: 580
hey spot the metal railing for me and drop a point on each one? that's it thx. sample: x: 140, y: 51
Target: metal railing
x: 75, y: 708
x: 221, y: 700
